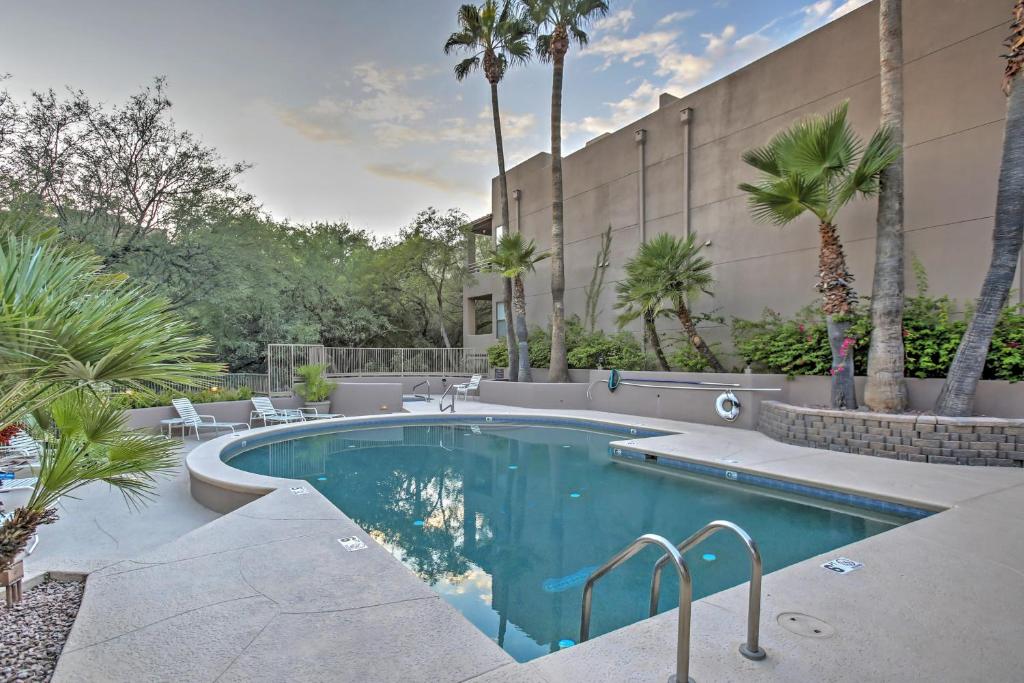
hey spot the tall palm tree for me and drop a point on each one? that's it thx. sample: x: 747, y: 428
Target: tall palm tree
x: 496, y: 39
x: 513, y: 258
x: 670, y: 269
x: 957, y: 395
x: 558, y: 24
x: 886, y: 389
x: 819, y: 165
x: 638, y: 298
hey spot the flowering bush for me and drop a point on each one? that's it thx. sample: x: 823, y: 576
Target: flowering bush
x: 8, y: 432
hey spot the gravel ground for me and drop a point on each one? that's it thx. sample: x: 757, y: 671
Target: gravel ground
x: 32, y: 634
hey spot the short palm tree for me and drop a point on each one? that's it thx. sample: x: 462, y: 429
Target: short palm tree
x: 669, y: 269
x: 639, y: 299
x: 558, y: 24
x: 513, y: 258
x: 68, y: 331
x: 496, y: 40
x: 957, y: 395
x: 818, y: 166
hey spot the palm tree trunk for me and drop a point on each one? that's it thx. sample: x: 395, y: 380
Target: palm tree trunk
x: 511, y: 342
x: 957, y: 395
x: 683, y: 313
x: 519, y: 304
x: 652, y: 335
x: 559, y: 367
x: 510, y: 333
x: 838, y: 298
x: 886, y: 390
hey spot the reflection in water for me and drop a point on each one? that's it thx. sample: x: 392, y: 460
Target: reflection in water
x: 506, y: 522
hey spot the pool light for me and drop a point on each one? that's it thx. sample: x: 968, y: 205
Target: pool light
x: 418, y: 522
x: 321, y: 478
x: 575, y: 494
x: 566, y: 642
x: 709, y: 557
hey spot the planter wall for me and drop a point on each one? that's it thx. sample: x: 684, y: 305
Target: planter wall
x: 989, y: 441
x: 366, y: 398
x: 224, y: 411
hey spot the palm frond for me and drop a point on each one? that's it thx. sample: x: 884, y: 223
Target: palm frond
x: 782, y: 200
x: 879, y: 154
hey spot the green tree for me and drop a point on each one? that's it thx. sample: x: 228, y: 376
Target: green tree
x: 513, y: 258
x: 669, y: 269
x: 558, y: 24
x: 819, y: 165
x: 957, y: 395
x: 497, y: 39
x: 639, y: 297
x: 885, y: 389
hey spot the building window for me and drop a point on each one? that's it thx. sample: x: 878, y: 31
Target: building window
x: 499, y: 232
x: 501, y: 325
x: 482, y: 323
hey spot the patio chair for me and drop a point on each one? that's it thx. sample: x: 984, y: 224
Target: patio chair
x: 311, y: 413
x: 472, y: 385
x: 21, y: 451
x: 263, y: 409
x: 190, y: 419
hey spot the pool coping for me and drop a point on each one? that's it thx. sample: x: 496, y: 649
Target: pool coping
x: 645, y: 650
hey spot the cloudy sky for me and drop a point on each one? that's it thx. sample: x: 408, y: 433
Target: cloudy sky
x: 348, y: 109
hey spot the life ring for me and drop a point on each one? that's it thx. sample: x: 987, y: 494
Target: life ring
x: 730, y: 413
x: 613, y: 380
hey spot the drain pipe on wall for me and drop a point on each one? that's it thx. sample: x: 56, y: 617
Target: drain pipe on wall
x: 516, y: 196
x: 641, y: 145
x: 685, y: 117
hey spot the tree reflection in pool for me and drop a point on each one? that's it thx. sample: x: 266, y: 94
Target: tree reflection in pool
x: 506, y: 522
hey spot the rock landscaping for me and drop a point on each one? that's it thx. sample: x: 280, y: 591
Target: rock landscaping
x: 32, y: 633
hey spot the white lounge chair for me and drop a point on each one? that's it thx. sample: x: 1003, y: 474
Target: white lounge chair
x: 21, y: 451
x: 190, y: 419
x: 472, y: 385
x: 263, y: 409
x: 314, y: 414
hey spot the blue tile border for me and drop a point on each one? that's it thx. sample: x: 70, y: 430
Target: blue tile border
x: 821, y: 493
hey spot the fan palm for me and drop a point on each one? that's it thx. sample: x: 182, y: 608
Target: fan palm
x: 818, y: 166
x: 638, y: 299
x: 513, y: 258
x: 558, y: 24
x: 496, y: 39
x: 668, y: 269
x: 957, y: 395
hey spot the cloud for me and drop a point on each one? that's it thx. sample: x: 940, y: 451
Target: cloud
x: 417, y: 174
x: 456, y: 129
x: 642, y: 101
x: 619, y: 48
x: 718, y: 44
x: 824, y: 11
x: 616, y: 21
x: 846, y: 8
x: 676, y: 16
x: 814, y: 12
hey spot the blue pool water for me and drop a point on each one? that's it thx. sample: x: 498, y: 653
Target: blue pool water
x: 506, y: 522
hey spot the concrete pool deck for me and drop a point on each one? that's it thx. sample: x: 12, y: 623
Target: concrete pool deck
x: 267, y: 592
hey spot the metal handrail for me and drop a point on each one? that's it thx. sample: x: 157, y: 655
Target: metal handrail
x: 751, y: 648
x: 420, y: 384
x: 685, y: 595
x: 440, y: 401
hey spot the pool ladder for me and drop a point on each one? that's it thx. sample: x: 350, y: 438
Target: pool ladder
x: 674, y: 554
x: 447, y: 392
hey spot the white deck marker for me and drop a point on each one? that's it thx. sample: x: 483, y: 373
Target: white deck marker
x: 842, y: 565
x: 352, y: 543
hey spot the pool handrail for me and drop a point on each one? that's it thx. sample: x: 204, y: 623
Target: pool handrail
x: 685, y: 595
x: 751, y: 648
x: 447, y: 392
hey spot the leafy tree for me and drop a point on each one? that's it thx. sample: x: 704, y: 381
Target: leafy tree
x: 885, y: 389
x: 558, y: 24
x: 496, y: 40
x: 513, y: 258
x: 819, y: 165
x: 957, y: 395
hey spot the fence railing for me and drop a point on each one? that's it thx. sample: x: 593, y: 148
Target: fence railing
x: 283, y: 359
x: 258, y: 382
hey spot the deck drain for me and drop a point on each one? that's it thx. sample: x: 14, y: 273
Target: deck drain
x: 805, y: 625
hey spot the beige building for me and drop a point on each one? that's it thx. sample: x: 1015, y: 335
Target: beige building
x: 677, y: 170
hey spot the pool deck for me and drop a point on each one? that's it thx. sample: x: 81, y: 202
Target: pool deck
x: 267, y: 593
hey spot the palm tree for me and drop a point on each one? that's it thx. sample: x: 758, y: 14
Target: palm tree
x: 514, y: 258
x: 819, y: 165
x: 497, y: 40
x: 886, y: 389
x: 957, y: 395
x: 639, y: 299
x: 671, y: 269
x: 558, y: 24
x: 68, y: 331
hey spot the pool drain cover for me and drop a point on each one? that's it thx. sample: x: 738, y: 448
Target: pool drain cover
x: 805, y: 625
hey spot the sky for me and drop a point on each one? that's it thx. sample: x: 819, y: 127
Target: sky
x: 348, y: 110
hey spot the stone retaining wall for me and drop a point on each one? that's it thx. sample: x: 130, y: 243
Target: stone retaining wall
x: 919, y: 438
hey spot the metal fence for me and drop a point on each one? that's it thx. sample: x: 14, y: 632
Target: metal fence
x: 283, y: 359
x: 258, y: 382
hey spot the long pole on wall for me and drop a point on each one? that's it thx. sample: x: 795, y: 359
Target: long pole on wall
x: 686, y: 117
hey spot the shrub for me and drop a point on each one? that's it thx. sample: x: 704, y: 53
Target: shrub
x: 136, y: 399
x: 585, y: 349
x: 314, y: 387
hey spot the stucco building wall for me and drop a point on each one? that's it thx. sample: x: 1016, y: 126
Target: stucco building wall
x: 954, y: 122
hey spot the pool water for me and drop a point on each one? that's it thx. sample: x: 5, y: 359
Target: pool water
x: 506, y: 522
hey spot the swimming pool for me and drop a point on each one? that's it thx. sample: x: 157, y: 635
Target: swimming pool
x: 505, y: 521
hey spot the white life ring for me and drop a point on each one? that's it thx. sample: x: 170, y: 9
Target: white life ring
x: 733, y: 411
